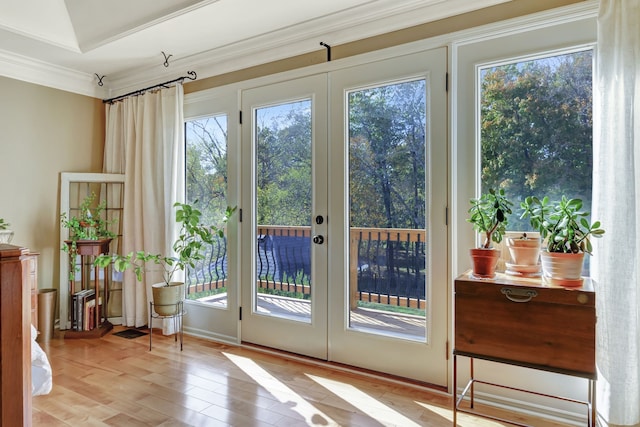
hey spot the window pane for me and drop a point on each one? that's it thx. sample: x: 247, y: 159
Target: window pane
x: 536, y: 129
x: 387, y: 177
x: 206, y: 180
x: 284, y: 140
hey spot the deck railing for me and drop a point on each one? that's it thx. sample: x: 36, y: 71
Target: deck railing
x: 386, y: 266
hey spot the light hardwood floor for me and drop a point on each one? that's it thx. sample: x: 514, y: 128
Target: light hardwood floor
x: 114, y: 381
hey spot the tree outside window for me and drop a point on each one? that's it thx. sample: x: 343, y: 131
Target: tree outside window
x: 536, y: 129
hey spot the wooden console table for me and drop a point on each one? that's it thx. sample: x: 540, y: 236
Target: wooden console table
x: 525, y: 322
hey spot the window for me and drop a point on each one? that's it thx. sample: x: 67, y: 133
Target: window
x: 536, y: 129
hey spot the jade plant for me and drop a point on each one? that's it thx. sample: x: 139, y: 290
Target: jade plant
x: 3, y: 224
x: 564, y: 224
x: 188, y: 246
x: 488, y: 214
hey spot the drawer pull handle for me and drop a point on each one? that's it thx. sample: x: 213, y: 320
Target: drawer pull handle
x: 519, y: 295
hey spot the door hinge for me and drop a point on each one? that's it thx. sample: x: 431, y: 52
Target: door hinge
x: 446, y: 216
x: 240, y: 215
x: 240, y: 117
x: 239, y: 313
x: 447, y: 347
x: 446, y: 82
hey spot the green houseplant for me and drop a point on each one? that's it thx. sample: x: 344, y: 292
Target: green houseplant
x: 488, y: 215
x: 566, y: 233
x: 188, y: 250
x: 89, y: 224
x: 5, y: 234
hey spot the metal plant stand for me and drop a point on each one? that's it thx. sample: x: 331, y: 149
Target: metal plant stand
x: 177, y: 319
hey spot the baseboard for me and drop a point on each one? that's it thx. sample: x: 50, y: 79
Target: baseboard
x: 201, y: 333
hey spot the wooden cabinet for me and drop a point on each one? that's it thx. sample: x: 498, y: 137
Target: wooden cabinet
x: 15, y: 338
x: 525, y: 322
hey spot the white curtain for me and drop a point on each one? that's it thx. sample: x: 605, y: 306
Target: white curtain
x: 145, y: 141
x: 616, y: 202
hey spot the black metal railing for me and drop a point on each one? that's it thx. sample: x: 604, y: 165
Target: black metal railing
x: 387, y: 266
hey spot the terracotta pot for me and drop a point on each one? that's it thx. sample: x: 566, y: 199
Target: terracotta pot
x: 562, y: 269
x: 166, y: 297
x: 484, y: 262
x: 524, y: 251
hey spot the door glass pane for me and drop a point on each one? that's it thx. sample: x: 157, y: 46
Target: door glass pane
x: 387, y: 158
x: 284, y: 200
x: 206, y: 181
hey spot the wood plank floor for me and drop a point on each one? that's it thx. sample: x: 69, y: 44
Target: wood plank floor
x: 114, y: 381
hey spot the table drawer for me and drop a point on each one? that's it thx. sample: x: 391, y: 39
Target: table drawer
x: 551, y: 328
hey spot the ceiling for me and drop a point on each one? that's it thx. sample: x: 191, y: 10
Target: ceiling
x: 70, y: 44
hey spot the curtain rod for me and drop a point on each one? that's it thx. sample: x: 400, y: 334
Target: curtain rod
x: 191, y: 76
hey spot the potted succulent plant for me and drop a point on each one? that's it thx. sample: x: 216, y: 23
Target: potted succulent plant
x: 5, y: 234
x: 488, y: 214
x: 567, y: 233
x: 188, y: 249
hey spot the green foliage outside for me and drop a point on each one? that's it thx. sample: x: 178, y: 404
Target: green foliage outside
x: 282, y: 293
x: 206, y: 166
x: 207, y: 293
x: 284, y: 164
x: 392, y: 308
x: 536, y: 129
x: 387, y: 126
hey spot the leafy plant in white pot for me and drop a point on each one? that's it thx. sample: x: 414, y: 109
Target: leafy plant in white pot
x: 488, y: 214
x: 567, y: 233
x: 188, y: 249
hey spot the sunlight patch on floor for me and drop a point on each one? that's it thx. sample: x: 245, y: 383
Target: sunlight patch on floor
x: 282, y: 392
x: 365, y: 403
x: 463, y: 419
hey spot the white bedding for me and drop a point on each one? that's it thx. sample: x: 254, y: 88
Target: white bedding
x: 41, y: 381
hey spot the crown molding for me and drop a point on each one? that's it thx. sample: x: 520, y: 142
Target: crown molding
x: 45, y: 74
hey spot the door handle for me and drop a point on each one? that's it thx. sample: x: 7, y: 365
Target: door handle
x: 318, y: 240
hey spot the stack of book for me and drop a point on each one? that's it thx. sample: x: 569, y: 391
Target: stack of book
x: 83, y: 314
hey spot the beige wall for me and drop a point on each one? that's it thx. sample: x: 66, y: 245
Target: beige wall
x: 44, y: 132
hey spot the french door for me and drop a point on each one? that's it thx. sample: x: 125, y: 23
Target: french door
x: 344, y: 232
x: 388, y: 270
x: 284, y: 248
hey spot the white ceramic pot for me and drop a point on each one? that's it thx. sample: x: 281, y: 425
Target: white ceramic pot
x: 165, y: 298
x: 524, y: 251
x: 6, y: 236
x: 563, y: 269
